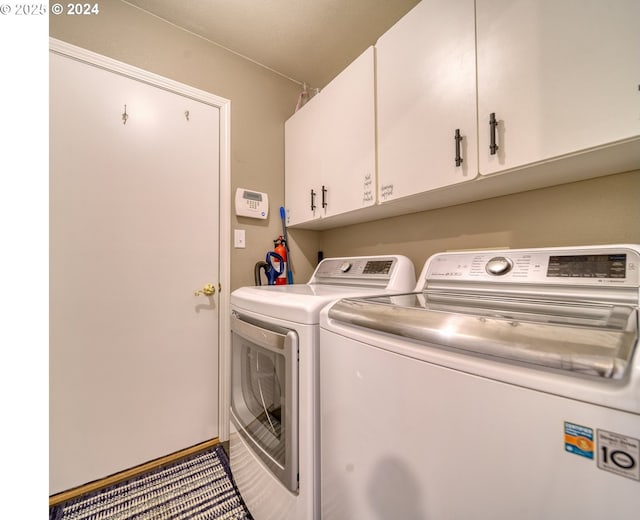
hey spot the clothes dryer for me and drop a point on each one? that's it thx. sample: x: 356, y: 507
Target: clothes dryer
x: 274, y: 432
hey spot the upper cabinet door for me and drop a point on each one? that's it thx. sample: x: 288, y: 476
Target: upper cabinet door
x: 560, y: 76
x: 426, y: 91
x: 349, y: 148
x: 303, y: 164
x: 330, y: 158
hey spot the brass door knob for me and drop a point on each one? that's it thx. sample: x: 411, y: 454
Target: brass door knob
x: 207, y: 290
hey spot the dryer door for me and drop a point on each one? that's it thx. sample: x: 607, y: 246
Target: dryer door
x: 264, y: 393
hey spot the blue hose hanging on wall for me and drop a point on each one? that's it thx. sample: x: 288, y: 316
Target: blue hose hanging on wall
x: 270, y: 270
x: 274, y: 271
x: 286, y: 245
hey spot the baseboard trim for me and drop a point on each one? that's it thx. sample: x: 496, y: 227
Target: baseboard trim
x: 129, y: 473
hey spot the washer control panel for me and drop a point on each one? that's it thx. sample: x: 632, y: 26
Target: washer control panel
x: 595, y: 265
x: 588, y: 266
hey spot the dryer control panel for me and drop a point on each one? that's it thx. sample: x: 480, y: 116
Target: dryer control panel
x: 378, y: 271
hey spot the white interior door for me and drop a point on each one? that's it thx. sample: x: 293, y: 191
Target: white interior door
x: 134, y: 231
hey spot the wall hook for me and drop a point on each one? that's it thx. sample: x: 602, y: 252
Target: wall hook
x: 186, y: 115
x: 125, y: 116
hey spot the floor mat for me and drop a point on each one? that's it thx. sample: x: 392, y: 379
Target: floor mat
x: 197, y: 488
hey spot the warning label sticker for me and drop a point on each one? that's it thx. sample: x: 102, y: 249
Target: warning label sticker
x: 619, y: 454
x: 578, y: 440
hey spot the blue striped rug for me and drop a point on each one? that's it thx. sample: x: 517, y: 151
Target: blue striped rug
x: 196, y: 488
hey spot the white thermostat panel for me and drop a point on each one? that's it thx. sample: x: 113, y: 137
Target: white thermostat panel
x: 252, y: 204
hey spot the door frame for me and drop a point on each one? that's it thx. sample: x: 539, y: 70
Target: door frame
x: 224, y: 204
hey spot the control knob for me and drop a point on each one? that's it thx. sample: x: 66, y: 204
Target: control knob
x: 345, y: 267
x: 499, y: 265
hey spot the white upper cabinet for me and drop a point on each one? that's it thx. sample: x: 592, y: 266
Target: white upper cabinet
x: 349, y: 167
x: 330, y: 163
x: 540, y: 92
x: 426, y: 94
x: 302, y: 163
x: 560, y: 77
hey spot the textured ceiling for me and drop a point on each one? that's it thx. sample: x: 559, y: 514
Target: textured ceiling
x: 308, y: 41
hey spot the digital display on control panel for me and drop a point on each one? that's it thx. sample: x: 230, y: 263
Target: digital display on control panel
x: 378, y: 267
x: 587, y: 266
x: 250, y: 195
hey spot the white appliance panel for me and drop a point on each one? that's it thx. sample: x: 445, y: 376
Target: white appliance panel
x: 418, y: 440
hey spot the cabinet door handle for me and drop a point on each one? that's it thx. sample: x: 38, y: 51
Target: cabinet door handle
x: 324, y: 197
x: 313, y: 200
x: 493, y: 147
x: 458, y: 139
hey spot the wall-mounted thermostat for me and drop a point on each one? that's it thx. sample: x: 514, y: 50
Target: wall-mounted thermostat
x: 252, y: 204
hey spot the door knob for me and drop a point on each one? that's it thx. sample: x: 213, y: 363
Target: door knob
x: 207, y: 290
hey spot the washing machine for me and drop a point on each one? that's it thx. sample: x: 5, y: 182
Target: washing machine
x: 274, y: 431
x: 507, y: 385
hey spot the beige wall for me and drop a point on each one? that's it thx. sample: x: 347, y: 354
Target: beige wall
x: 595, y: 211
x: 261, y: 101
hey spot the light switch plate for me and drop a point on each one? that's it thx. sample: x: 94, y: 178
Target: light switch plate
x: 239, y: 239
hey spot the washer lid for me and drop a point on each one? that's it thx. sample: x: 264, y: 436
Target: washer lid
x: 597, y: 339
